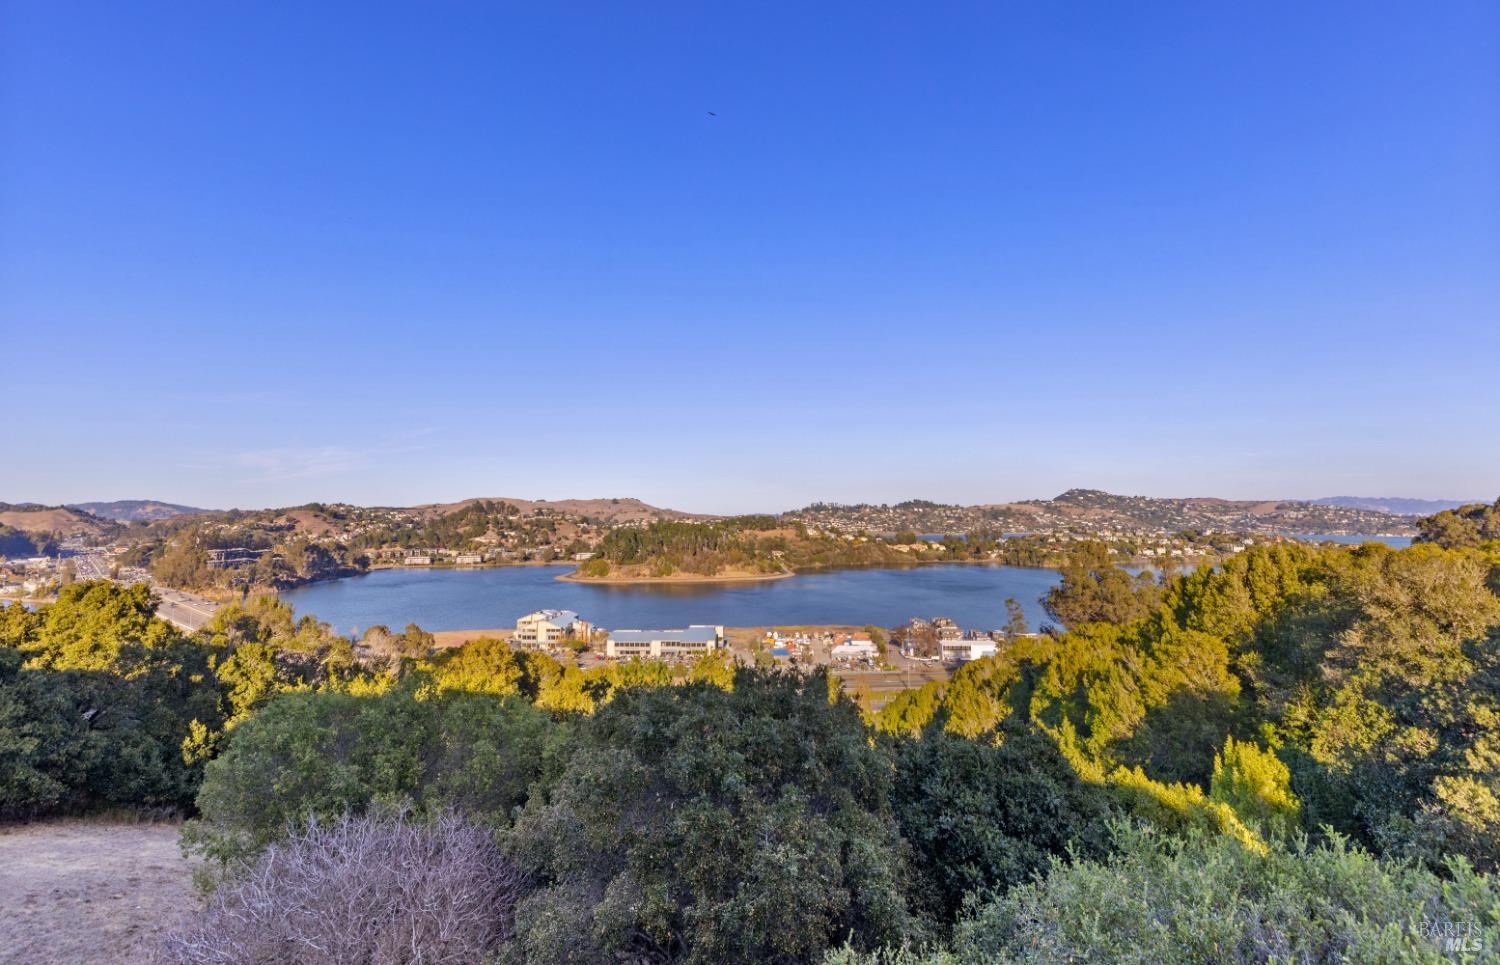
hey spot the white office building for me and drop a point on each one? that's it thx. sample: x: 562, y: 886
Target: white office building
x: 962, y: 651
x: 694, y: 640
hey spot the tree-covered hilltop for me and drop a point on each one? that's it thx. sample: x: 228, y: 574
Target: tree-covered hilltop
x: 1293, y: 754
x: 765, y: 545
x: 739, y: 545
x: 1474, y: 525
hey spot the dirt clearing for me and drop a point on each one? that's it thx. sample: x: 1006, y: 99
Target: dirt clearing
x: 90, y: 891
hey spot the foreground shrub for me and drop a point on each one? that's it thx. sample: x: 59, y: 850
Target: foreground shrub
x: 324, y: 754
x: 79, y: 740
x: 991, y: 813
x: 1208, y: 899
x: 376, y: 890
x: 700, y: 824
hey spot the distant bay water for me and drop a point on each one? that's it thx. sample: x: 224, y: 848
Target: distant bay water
x: 1396, y: 542
x: 972, y: 594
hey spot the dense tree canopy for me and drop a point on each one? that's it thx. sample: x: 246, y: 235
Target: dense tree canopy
x: 1094, y: 590
x: 101, y: 705
x: 1468, y: 526
x: 705, y: 824
x: 320, y: 755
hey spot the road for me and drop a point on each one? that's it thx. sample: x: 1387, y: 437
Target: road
x: 186, y: 611
x: 89, y: 566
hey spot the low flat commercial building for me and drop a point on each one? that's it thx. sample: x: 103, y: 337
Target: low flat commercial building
x: 468, y: 559
x: 962, y: 651
x: 696, y: 639
x: 855, y: 648
x: 543, y: 628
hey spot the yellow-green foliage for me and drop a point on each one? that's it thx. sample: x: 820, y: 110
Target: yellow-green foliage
x: 715, y: 668
x: 1180, y: 807
x: 908, y: 713
x: 594, y: 569
x: 491, y: 666
x: 1257, y: 785
x: 88, y: 625
x: 486, y: 665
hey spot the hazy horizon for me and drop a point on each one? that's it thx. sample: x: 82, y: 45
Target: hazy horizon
x: 701, y: 509
x: 729, y: 259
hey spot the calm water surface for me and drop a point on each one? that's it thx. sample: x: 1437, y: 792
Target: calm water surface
x: 1397, y: 542
x: 447, y: 599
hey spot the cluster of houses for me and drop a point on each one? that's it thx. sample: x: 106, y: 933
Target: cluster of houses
x: 455, y: 559
x: 943, y: 640
x: 449, y: 558
x: 27, y: 576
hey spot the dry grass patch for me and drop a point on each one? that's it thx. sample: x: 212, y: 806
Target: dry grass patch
x: 81, y: 890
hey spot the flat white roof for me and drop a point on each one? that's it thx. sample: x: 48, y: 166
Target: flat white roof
x: 693, y: 634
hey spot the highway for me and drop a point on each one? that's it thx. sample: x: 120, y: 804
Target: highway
x: 185, y: 611
x: 89, y: 566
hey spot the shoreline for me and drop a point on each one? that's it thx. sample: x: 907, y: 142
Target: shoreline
x: 674, y: 579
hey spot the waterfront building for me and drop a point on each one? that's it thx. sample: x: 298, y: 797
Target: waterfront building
x: 962, y: 651
x: 543, y: 628
x: 696, y: 639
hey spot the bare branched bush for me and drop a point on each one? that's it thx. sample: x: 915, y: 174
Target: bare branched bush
x: 379, y: 890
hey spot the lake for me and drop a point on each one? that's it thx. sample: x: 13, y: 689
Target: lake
x: 1395, y: 542
x: 459, y: 599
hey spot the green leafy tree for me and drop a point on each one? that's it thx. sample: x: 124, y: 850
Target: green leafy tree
x: 1015, y: 618
x: 324, y: 754
x: 1468, y: 526
x: 90, y: 623
x: 701, y: 824
x: 988, y: 815
x: 1094, y: 590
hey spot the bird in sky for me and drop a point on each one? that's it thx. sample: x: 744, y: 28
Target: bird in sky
x: 712, y: 114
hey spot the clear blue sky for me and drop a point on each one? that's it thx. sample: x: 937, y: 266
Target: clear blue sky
x: 260, y: 254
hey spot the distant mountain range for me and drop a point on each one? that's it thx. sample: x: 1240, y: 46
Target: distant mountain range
x: 1395, y: 504
x: 136, y: 510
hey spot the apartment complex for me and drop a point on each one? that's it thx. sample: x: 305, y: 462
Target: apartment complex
x: 546, y: 627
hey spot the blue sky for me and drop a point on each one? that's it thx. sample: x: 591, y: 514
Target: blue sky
x: 261, y: 254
